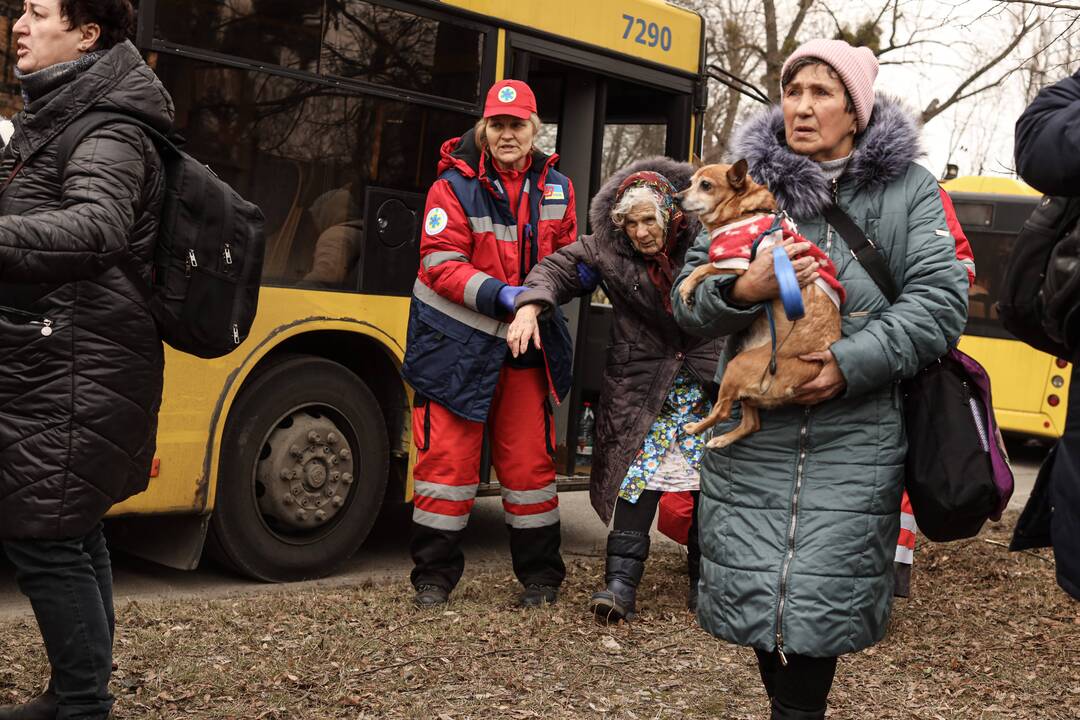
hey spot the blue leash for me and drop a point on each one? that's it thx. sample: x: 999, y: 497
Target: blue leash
x: 790, y: 295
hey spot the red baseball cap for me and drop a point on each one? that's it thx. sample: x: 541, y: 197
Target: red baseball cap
x: 510, y: 97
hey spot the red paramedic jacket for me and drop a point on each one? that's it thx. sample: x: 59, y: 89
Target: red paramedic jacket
x: 472, y: 244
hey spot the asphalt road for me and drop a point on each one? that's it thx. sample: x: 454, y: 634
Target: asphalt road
x: 385, y: 555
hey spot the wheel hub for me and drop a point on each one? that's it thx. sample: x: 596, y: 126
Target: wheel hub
x: 305, y: 478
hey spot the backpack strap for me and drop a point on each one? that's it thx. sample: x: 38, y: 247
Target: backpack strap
x: 78, y: 129
x: 75, y: 133
x: 863, y: 250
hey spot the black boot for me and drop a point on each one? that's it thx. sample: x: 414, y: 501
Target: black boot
x: 536, y: 596
x: 427, y: 596
x: 43, y: 707
x: 693, y: 563
x: 902, y: 582
x: 626, y: 554
x: 780, y: 711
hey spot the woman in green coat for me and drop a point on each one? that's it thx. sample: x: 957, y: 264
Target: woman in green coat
x: 799, y: 521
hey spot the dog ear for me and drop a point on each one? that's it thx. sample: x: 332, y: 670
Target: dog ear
x: 736, y: 175
x: 696, y: 162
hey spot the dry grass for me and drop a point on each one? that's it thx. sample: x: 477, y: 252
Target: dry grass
x: 987, y: 636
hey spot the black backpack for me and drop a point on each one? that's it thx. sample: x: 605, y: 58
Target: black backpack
x: 1040, y: 294
x: 209, y: 252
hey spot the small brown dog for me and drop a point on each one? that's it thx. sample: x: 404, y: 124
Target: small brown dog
x: 736, y: 210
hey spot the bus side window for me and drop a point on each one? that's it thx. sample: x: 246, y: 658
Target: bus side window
x: 397, y: 48
x: 306, y: 152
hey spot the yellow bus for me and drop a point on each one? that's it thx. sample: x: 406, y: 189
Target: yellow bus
x: 329, y: 114
x: 1030, y: 387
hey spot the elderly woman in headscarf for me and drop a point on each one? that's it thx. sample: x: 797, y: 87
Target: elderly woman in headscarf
x: 655, y: 377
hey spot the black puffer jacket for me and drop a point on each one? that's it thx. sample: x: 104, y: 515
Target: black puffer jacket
x: 78, y: 405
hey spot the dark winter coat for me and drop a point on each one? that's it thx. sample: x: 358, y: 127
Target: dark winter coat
x: 78, y: 407
x: 1048, y: 156
x: 799, y: 521
x: 1048, y: 139
x: 646, y: 349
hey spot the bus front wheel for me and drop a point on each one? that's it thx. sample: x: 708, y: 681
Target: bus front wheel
x: 303, y: 472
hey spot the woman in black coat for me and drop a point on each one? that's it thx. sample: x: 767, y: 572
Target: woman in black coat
x: 1048, y: 157
x: 82, y: 361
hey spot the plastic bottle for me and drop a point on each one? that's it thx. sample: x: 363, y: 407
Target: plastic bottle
x: 585, y: 435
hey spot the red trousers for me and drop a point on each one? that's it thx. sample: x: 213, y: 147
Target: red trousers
x: 905, y: 544
x: 522, y: 442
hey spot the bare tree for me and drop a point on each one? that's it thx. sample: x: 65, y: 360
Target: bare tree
x: 751, y: 40
x: 1057, y: 51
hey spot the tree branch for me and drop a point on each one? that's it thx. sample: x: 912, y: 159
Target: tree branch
x: 1037, y: 3
x: 796, y: 24
x: 935, y: 107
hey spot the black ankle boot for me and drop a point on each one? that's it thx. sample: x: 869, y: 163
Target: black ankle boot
x: 43, y: 707
x: 626, y: 554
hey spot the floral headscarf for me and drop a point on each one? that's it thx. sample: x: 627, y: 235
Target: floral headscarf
x: 659, y: 266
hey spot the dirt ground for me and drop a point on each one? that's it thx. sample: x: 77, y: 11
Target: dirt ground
x: 987, y: 636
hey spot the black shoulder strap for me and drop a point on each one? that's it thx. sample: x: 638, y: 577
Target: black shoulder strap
x: 73, y: 134
x: 69, y: 139
x: 864, y: 251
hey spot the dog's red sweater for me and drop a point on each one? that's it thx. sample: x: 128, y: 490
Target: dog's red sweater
x: 730, y: 249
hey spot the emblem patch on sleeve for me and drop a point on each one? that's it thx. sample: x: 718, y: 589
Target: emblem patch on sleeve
x: 554, y: 192
x: 435, y: 222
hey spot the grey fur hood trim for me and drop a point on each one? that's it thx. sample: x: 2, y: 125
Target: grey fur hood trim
x: 678, y: 173
x: 882, y: 153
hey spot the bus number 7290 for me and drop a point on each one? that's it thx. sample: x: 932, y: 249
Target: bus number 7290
x: 649, y: 33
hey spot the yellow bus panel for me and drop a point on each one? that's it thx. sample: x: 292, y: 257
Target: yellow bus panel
x: 646, y: 29
x: 990, y: 185
x: 198, y: 393
x: 1022, y: 380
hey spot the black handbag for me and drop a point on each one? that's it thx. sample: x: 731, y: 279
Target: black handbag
x: 956, y: 472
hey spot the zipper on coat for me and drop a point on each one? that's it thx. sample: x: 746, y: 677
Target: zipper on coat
x: 550, y: 378
x: 789, y: 552
x: 828, y: 227
x: 31, y: 319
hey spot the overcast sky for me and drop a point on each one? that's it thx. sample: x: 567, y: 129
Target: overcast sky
x: 979, y: 131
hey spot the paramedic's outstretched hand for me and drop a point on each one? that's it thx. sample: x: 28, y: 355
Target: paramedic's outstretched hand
x: 523, y: 329
x: 758, y: 283
x: 505, y: 298
x: 828, y: 384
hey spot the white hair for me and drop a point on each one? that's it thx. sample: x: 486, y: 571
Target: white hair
x: 637, y: 198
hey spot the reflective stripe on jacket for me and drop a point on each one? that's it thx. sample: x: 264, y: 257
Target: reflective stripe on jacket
x: 472, y: 245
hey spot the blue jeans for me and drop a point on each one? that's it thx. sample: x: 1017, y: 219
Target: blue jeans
x: 69, y: 584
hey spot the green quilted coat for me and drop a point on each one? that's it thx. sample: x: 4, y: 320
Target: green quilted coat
x: 799, y: 521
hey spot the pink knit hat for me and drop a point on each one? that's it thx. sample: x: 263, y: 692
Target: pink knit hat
x: 856, y: 66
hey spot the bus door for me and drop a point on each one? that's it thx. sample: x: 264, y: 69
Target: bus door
x: 599, y: 115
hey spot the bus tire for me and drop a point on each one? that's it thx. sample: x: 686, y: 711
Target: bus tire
x: 303, y: 471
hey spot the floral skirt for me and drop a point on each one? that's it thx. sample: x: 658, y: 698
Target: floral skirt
x: 670, y: 458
